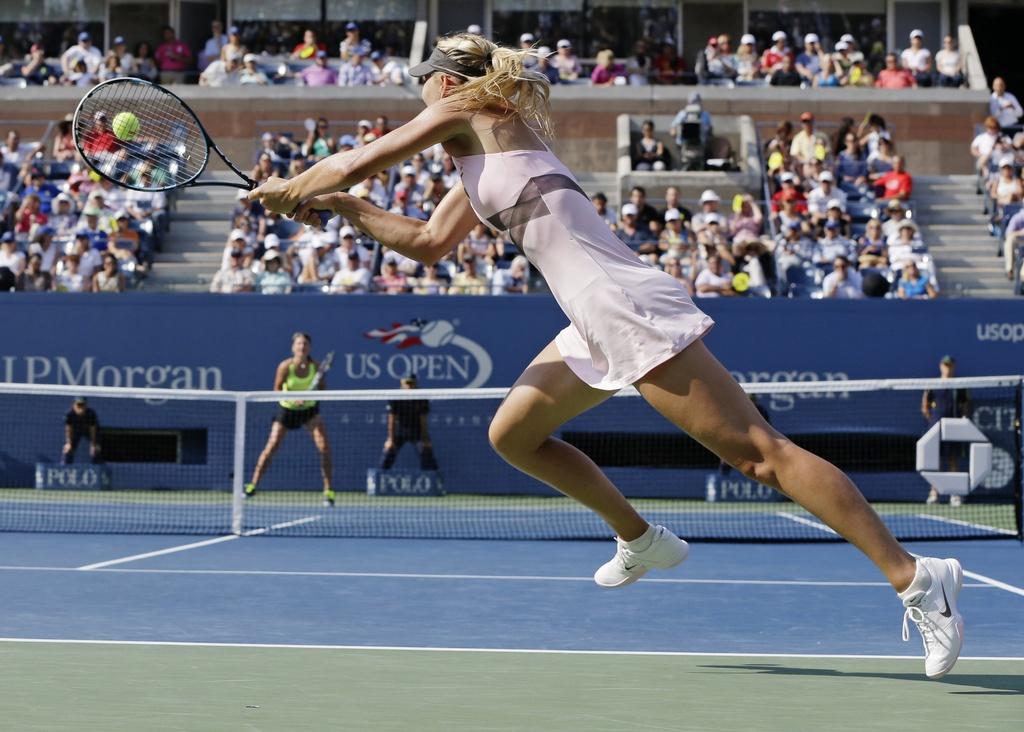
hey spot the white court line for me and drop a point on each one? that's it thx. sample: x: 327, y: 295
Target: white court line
x: 994, y: 583
x: 494, y: 577
x: 969, y: 524
x: 441, y: 649
x: 806, y: 522
x: 195, y: 544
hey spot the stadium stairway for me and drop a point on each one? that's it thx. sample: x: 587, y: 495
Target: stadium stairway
x: 953, y: 226
x: 200, y: 223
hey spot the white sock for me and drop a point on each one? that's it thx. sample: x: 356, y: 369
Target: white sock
x: 643, y: 541
x: 921, y: 582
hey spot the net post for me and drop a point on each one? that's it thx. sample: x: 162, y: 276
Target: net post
x: 238, y: 466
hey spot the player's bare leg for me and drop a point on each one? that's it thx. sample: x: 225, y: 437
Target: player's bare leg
x: 277, y: 433
x: 696, y: 393
x: 319, y: 434
x: 545, y: 396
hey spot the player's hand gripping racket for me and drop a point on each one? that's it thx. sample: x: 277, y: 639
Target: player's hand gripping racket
x: 139, y: 135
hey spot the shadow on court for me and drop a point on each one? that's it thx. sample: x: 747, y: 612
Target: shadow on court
x: 996, y: 684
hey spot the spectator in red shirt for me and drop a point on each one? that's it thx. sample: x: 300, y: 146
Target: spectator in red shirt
x: 101, y: 138
x: 309, y: 46
x: 897, y: 183
x: 173, y: 58
x: 894, y: 77
x: 29, y: 214
x: 771, y: 59
x: 789, y: 192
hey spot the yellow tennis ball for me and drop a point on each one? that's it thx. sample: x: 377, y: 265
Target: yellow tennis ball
x: 126, y: 126
x: 741, y: 282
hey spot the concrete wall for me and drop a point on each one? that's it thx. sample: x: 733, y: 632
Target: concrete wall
x: 933, y: 127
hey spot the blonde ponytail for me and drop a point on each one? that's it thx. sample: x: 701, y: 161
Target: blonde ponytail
x: 507, y: 83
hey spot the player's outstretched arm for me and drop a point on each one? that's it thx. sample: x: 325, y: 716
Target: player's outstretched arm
x: 424, y: 241
x: 344, y: 169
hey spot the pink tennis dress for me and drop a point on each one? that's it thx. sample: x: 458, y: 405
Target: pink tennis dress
x: 625, y: 317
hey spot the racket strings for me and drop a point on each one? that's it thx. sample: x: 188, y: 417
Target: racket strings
x: 167, y: 150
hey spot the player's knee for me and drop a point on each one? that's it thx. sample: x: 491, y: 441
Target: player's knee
x: 508, y: 439
x: 762, y: 462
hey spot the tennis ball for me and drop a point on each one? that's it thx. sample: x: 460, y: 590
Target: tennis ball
x: 741, y: 282
x: 437, y: 333
x: 126, y: 126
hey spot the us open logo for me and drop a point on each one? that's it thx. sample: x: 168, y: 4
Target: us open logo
x: 954, y: 429
x: 433, y: 350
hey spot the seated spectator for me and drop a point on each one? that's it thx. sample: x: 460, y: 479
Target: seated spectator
x: 392, y: 281
x: 895, y: 214
x: 236, y: 277
x: 830, y: 75
x: 70, y: 279
x: 631, y: 230
x: 851, y: 167
x: 273, y: 280
x: 748, y: 63
x: 897, y: 183
x: 318, y: 143
x: 35, y: 70
x: 213, y: 45
x: 234, y: 46
x: 89, y: 258
x: 986, y: 142
x: 649, y: 153
x: 353, y: 43
x: 638, y: 64
x: 710, y: 203
x: 566, y: 63
x: 309, y: 48
x: 808, y: 62
x: 820, y: 198
x: 108, y: 277
x: 35, y: 183
x: 1003, y: 105
x: 606, y: 72
x: 545, y: 67
x: 674, y: 239
x: 607, y: 215
x: 843, y: 282
x: 786, y: 75
x: 223, y: 73
x: 512, y: 281
x: 1013, y: 235
x: 872, y: 250
x: 173, y: 58
x: 773, y: 58
x: 29, y: 214
x: 145, y: 63
x: 882, y: 161
x: 355, y: 71
x: 674, y: 266
x: 646, y: 213
x: 748, y: 222
x: 672, y: 201
x: 859, y: 75
x: 16, y: 152
x: 430, y: 283
x: 83, y: 52
x: 893, y: 76
x: 319, y: 73
x: 842, y: 60
x: 917, y: 59
x: 353, y: 278
x: 250, y: 74
x: 238, y: 240
x: 949, y: 66
x: 871, y: 132
x: 808, y: 144
x: 111, y: 68
x: 713, y: 238
x: 832, y: 245
x: 469, y: 281
x: 34, y: 278
x: 264, y: 169
x: 8, y: 175
x: 10, y: 256
x: 901, y: 249
x: 668, y: 66
x: 1005, y: 188
x: 64, y: 149
x: 714, y: 280
x: 914, y: 285
x: 789, y: 193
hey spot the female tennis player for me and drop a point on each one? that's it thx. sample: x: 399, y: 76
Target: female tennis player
x: 297, y: 374
x: 629, y: 323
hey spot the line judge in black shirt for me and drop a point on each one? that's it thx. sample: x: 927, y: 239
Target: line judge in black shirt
x: 79, y: 422
x: 407, y: 422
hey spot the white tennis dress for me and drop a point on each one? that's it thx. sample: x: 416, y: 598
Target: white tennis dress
x: 625, y: 316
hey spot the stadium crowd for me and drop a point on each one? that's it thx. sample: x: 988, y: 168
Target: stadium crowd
x: 63, y: 229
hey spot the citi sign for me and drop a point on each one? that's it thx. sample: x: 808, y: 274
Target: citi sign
x: 432, y: 350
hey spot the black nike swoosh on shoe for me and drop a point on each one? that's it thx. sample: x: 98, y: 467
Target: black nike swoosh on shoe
x: 947, y: 612
x: 630, y: 568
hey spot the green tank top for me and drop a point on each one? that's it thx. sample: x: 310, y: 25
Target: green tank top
x: 294, y: 382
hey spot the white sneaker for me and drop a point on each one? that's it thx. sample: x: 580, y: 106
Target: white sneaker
x: 934, y: 613
x: 955, y: 501
x: 627, y: 566
x: 933, y: 497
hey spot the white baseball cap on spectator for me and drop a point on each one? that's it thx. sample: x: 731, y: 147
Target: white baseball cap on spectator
x: 842, y: 46
x: 747, y: 39
x: 835, y: 203
x: 267, y: 136
x: 811, y: 38
x: 271, y: 241
x: 629, y: 209
x: 827, y: 175
x: 709, y: 196
x: 673, y: 215
x: 1006, y: 161
x: 241, y: 195
x: 271, y: 254
x: 347, y: 232
x: 907, y: 224
x: 917, y: 33
x: 365, y: 123
x: 237, y: 234
x: 475, y: 30
x: 527, y: 38
x: 121, y: 214
x: 65, y: 198
x: 847, y: 37
x: 250, y: 57
x: 544, y: 52
x: 408, y: 170
x: 787, y: 177
x: 564, y: 43
x: 712, y: 218
x: 779, y: 36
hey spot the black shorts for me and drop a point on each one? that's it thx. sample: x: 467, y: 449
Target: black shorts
x: 292, y: 419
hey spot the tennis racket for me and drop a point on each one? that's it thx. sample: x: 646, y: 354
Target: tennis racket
x: 321, y: 372
x: 141, y: 136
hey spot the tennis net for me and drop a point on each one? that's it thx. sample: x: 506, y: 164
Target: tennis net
x: 177, y: 461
